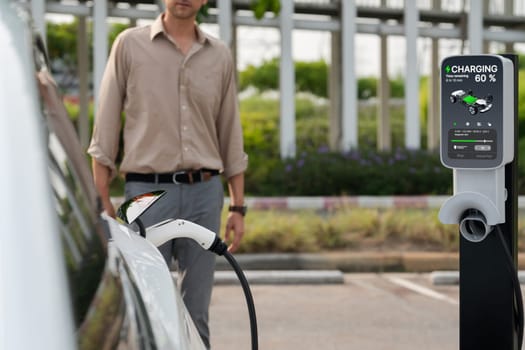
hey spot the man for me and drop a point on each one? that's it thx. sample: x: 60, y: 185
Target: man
x: 176, y: 86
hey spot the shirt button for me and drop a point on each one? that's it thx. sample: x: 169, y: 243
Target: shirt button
x: 184, y: 128
x: 184, y: 107
x: 186, y: 149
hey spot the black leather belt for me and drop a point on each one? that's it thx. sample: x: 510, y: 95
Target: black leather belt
x: 178, y: 177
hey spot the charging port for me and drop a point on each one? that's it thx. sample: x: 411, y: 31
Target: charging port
x: 473, y: 226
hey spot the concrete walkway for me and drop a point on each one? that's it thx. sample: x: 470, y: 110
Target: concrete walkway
x: 366, y: 312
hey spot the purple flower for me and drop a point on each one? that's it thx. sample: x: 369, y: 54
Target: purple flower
x: 300, y: 163
x: 323, y: 150
x: 288, y: 168
x: 399, y: 156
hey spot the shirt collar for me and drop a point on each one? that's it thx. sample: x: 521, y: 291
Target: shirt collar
x: 157, y: 27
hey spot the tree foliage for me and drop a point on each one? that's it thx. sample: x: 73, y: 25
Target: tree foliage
x: 260, y: 7
x: 62, y: 41
x: 310, y: 77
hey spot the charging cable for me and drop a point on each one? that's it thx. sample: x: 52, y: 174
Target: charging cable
x: 207, y: 239
x: 518, y: 312
x: 220, y: 248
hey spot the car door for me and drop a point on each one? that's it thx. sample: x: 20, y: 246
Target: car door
x: 108, y: 311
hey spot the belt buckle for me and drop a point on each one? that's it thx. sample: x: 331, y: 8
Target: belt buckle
x: 174, y: 178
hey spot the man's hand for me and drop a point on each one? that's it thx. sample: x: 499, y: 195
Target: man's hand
x: 101, y: 175
x: 235, y: 224
x: 109, y: 208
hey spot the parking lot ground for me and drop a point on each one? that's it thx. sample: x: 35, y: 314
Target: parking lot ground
x: 366, y: 312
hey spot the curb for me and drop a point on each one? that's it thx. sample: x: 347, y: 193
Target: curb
x: 333, y: 202
x: 347, y: 261
x: 282, y: 277
x: 444, y: 278
x: 327, y: 203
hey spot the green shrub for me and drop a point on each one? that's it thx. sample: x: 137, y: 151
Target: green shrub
x: 347, y: 228
x: 272, y: 231
x: 318, y: 171
x: 312, y: 77
x: 354, y: 173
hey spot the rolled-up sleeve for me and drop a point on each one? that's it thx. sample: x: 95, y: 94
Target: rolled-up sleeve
x: 104, y: 144
x: 229, y: 127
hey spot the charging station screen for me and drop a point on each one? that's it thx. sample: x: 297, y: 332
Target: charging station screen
x: 472, y: 143
x: 472, y: 111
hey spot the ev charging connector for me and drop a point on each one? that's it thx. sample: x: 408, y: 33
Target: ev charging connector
x: 477, y: 128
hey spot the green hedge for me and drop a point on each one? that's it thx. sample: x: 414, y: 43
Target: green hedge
x: 318, y: 171
x: 354, y: 173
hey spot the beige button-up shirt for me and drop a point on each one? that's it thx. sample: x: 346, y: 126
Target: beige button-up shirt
x: 181, y: 110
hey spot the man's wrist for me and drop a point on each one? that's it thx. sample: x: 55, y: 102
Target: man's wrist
x: 241, y: 209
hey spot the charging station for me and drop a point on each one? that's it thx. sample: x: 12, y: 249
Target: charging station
x: 479, y: 142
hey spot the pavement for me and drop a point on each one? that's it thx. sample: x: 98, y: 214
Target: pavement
x: 394, y: 311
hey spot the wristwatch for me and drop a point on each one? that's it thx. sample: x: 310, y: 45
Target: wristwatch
x: 241, y: 209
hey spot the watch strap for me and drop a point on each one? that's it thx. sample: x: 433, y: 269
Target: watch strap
x: 241, y: 209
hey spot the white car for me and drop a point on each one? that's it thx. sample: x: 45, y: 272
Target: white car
x: 70, y: 278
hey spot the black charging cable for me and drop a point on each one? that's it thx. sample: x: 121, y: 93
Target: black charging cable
x: 518, y: 312
x: 220, y: 248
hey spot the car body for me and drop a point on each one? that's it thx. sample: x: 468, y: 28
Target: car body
x: 474, y: 104
x: 70, y: 276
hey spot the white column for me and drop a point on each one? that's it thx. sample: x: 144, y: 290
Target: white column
x: 475, y: 27
x: 434, y: 113
x: 225, y: 21
x: 100, y: 43
x: 334, y: 86
x: 508, y: 10
x: 349, y: 84
x: 38, y: 12
x: 287, y: 82
x: 83, y: 86
x: 433, y: 98
x: 384, y: 138
x: 412, y: 124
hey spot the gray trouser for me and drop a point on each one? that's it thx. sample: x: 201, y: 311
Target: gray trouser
x: 200, y: 203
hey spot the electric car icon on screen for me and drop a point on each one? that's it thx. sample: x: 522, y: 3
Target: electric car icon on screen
x: 474, y: 104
